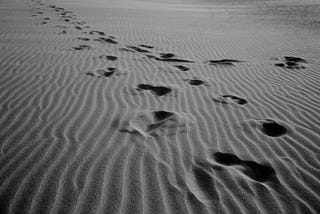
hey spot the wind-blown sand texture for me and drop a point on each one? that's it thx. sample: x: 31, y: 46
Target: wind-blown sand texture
x: 159, y: 107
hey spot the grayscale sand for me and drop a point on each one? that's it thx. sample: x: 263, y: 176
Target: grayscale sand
x: 171, y: 106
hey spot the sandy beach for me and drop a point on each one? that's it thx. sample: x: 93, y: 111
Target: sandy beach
x: 171, y: 106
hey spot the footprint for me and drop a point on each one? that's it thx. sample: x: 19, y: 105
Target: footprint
x: 167, y: 55
x: 272, y: 128
x: 95, y: 32
x: 83, y: 47
x: 146, y: 46
x: 227, y: 99
x: 107, y: 40
x: 223, y: 62
x: 157, y: 90
x: 291, y: 62
x: 83, y: 39
x: 102, y: 73
x: 108, y: 57
x: 182, y: 68
x: 194, y: 81
x: 255, y: 171
x: 162, y: 115
x: 78, y: 27
x: 140, y: 50
x: 159, y: 121
x: 169, y: 59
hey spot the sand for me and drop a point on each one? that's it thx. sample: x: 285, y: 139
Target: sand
x: 137, y: 106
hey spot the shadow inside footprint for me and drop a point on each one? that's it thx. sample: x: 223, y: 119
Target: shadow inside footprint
x: 272, y: 128
x: 223, y: 62
x: 258, y: 171
x: 157, y: 90
x: 253, y: 170
x: 226, y: 158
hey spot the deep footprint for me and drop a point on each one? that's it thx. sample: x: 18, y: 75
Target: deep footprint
x: 146, y: 46
x: 157, y: 90
x: 291, y: 62
x: 106, y: 40
x: 226, y: 158
x: 223, y: 62
x: 140, y: 50
x: 255, y: 171
x: 182, y: 68
x: 167, y: 55
x: 272, y: 128
x: 169, y: 59
x: 194, y: 82
x: 162, y: 115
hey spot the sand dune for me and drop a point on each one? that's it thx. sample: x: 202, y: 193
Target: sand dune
x: 158, y: 107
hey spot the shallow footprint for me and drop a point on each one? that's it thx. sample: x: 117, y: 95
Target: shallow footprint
x: 102, y: 73
x: 95, y: 32
x: 152, y: 122
x: 226, y: 99
x: 108, y: 57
